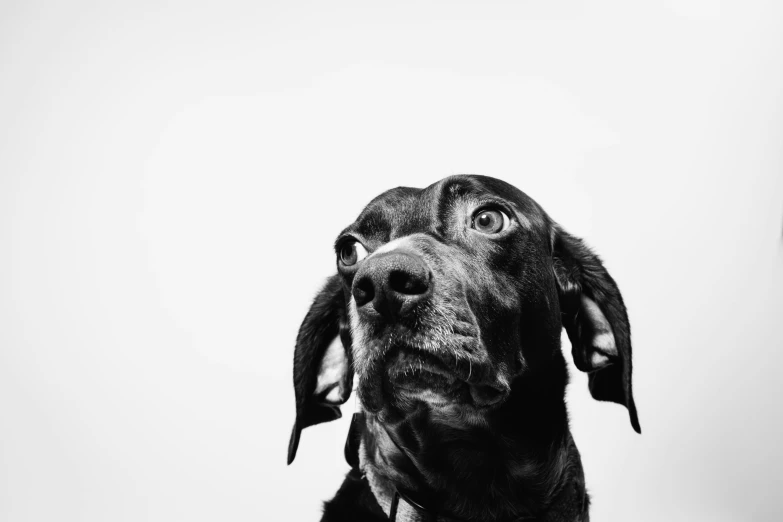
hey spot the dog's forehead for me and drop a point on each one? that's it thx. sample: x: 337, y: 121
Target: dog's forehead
x: 396, y: 211
x: 405, y: 210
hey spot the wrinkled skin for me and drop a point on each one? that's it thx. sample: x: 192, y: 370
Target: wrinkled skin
x: 453, y: 333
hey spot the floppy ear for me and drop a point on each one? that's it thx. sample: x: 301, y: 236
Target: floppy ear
x: 595, y: 319
x: 323, y: 373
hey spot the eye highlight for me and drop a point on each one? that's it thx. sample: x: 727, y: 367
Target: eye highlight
x: 352, y: 252
x: 490, y: 221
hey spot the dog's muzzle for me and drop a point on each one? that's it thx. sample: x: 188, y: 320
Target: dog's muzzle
x: 412, y: 355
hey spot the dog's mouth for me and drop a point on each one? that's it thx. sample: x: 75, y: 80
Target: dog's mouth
x: 416, y: 374
x: 412, y: 369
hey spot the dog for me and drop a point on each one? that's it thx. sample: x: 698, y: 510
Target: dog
x: 447, y: 307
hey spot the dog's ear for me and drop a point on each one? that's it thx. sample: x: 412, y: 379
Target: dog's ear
x: 595, y: 319
x: 323, y: 372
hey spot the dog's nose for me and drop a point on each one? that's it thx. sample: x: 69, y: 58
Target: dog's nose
x: 393, y: 282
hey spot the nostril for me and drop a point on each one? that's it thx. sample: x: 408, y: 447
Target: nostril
x: 363, y: 291
x: 407, y: 283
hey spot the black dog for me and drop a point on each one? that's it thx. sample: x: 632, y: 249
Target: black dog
x: 448, y: 305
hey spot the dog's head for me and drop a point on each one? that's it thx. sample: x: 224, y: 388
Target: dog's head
x: 446, y: 296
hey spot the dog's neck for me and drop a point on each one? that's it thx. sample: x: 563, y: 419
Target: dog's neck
x: 516, y: 463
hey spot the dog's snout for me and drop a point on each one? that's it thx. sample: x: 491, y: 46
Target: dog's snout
x: 393, y: 282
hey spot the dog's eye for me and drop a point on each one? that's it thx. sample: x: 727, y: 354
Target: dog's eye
x: 352, y: 252
x: 490, y: 221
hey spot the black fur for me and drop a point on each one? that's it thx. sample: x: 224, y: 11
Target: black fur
x: 353, y: 502
x: 460, y: 372
x: 582, y: 273
x: 324, y: 321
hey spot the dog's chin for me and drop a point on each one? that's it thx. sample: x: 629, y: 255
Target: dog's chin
x: 415, y: 375
x: 410, y: 377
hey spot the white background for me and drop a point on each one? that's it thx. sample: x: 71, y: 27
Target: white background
x: 173, y: 175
